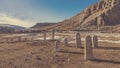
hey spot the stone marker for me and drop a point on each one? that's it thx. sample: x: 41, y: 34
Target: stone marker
x: 25, y: 39
x: 12, y: 40
x: 44, y: 36
x: 65, y: 41
x: 31, y: 39
x: 88, y: 51
x: 78, y: 40
x: 53, y: 35
x: 7, y: 39
x: 57, y: 44
x: 95, y: 42
x: 19, y: 39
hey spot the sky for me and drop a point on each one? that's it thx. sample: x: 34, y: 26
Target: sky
x: 27, y: 13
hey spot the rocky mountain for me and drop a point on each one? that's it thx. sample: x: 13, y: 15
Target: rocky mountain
x: 5, y: 28
x: 100, y: 16
x: 42, y: 26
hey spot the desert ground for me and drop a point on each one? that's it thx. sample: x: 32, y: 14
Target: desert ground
x: 37, y: 53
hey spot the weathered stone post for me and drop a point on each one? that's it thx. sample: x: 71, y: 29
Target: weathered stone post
x: 65, y: 41
x: 53, y: 35
x: 95, y: 42
x: 57, y: 44
x: 7, y: 39
x: 88, y: 51
x: 44, y: 36
x: 12, y: 40
x: 31, y: 39
x: 19, y: 39
x: 78, y: 40
x: 25, y: 39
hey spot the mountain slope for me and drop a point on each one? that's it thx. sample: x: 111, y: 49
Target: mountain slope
x: 101, y: 14
x: 5, y: 28
x: 42, y: 26
x: 38, y: 25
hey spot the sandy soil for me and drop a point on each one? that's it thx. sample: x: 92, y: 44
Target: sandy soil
x: 39, y: 54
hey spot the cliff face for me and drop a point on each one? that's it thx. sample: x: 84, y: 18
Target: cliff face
x: 103, y: 13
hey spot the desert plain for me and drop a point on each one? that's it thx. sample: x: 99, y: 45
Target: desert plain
x: 35, y: 52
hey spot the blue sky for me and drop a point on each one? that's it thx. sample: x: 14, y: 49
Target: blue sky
x: 28, y: 12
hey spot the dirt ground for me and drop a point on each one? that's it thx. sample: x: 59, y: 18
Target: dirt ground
x: 39, y: 54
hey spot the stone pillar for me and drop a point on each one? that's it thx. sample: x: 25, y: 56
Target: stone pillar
x: 57, y: 44
x: 53, y: 35
x: 78, y: 40
x: 65, y: 41
x: 88, y: 51
x: 44, y: 36
x: 95, y: 42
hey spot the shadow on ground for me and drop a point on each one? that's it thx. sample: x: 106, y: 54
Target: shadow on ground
x: 71, y: 52
x: 109, y: 48
x: 106, y: 61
